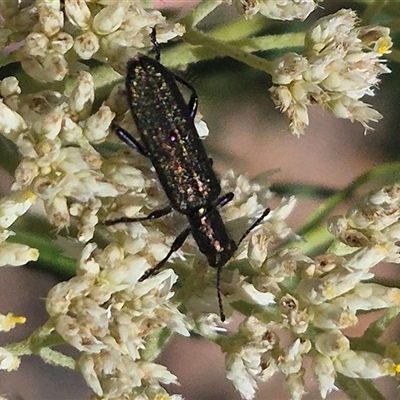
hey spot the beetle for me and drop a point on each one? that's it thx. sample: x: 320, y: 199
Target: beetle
x: 168, y: 137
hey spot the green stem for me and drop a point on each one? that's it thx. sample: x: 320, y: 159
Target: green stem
x: 201, y: 11
x: 57, y: 359
x: 155, y: 343
x: 22, y: 348
x: 300, y: 190
x: 357, y: 390
x: 39, y: 343
x: 315, y: 242
x: 392, y: 8
x: 367, y: 344
x: 270, y: 42
x: 378, y: 327
x: 215, y: 43
x: 390, y: 171
x: 195, y: 37
x: 45, y: 336
x: 315, y: 234
x: 50, y: 254
x: 371, y: 389
x: 241, y: 28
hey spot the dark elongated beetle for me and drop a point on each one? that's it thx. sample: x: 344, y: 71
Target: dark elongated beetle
x: 169, y: 138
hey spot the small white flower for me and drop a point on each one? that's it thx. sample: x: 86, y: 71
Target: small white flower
x: 62, y: 42
x: 8, y: 361
x: 330, y: 286
x: 11, y: 123
x: 52, y: 67
x: 366, y: 258
x: 293, y: 386
x: 86, y: 364
x: 371, y: 296
x: 50, y: 17
x: 78, y: 13
x: 362, y: 365
x: 36, y: 44
x: 332, y: 316
x: 332, y: 343
x: 86, y: 45
x: 113, y: 375
x: 208, y: 326
x: 9, y: 86
x: 244, y: 352
x: 109, y: 19
x: 81, y: 98
x: 325, y: 372
x: 88, y: 221
x: 15, y: 254
x: 251, y: 294
x: 96, y: 127
x: 15, y: 205
x: 238, y: 373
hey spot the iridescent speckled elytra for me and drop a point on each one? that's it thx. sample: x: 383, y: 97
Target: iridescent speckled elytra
x: 169, y: 138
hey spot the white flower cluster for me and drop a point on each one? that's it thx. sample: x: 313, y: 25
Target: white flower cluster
x: 108, y: 315
x: 284, y: 10
x: 56, y: 34
x: 53, y: 134
x: 315, y: 300
x: 341, y: 64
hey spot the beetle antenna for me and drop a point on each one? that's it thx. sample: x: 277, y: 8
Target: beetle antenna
x: 156, y: 46
x: 220, y: 305
x: 254, y: 225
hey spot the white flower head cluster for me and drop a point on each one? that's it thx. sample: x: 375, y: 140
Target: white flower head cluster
x: 56, y: 34
x: 108, y: 315
x: 315, y: 300
x: 284, y: 10
x: 53, y: 132
x: 341, y: 64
